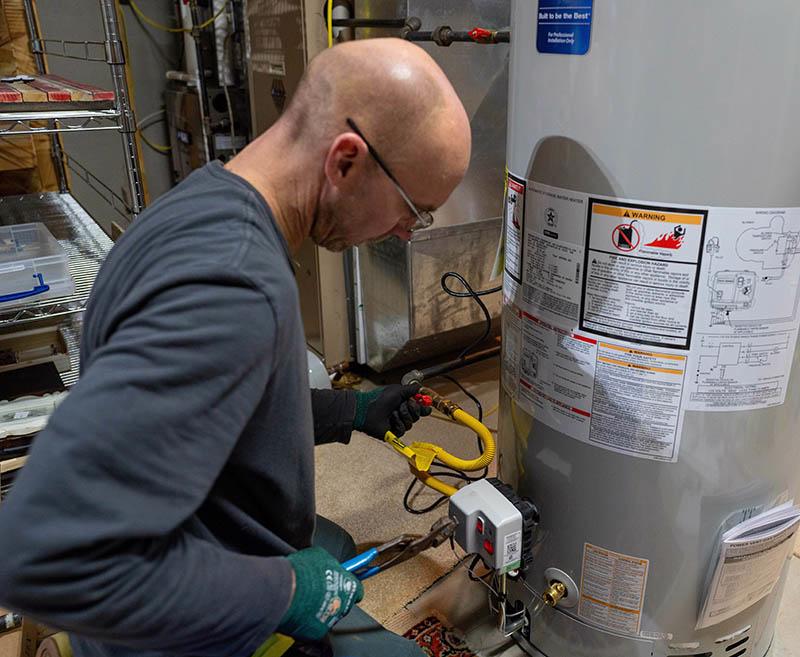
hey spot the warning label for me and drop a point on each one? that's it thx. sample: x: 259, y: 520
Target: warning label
x: 637, y: 401
x: 514, y: 227
x: 612, y: 589
x: 642, y: 266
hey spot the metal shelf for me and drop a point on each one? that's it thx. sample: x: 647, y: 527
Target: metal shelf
x: 121, y: 119
x: 23, y: 123
x: 83, y: 240
x: 90, y: 51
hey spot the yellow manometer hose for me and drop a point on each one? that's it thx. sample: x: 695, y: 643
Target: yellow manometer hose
x: 422, y: 455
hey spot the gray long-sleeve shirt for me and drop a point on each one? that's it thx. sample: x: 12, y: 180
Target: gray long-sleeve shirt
x: 154, y: 509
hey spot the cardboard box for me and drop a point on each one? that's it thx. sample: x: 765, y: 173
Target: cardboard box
x: 15, y: 17
x: 17, y: 153
x: 5, y: 31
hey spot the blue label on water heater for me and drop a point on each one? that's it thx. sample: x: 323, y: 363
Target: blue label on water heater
x: 564, y: 26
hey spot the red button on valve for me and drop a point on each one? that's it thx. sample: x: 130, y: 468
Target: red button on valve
x: 479, y: 525
x: 488, y: 546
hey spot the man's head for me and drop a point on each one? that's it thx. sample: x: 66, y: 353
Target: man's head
x: 365, y: 102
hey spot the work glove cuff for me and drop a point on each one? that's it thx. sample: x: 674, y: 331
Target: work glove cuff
x: 323, y: 594
x: 363, y: 401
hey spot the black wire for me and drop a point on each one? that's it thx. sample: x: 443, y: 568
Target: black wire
x: 471, y: 570
x: 436, y: 473
x: 450, y: 472
x: 474, y: 399
x: 477, y: 297
x: 419, y: 512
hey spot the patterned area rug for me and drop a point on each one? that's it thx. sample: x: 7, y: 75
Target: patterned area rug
x: 436, y: 640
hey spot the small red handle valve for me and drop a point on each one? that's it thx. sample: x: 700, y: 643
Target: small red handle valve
x: 482, y: 35
x: 423, y: 400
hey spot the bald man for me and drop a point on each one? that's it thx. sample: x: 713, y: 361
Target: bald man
x: 168, y: 508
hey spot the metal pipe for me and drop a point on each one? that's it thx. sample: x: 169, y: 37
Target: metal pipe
x: 202, y: 95
x: 381, y: 23
x: 444, y: 35
x: 418, y: 376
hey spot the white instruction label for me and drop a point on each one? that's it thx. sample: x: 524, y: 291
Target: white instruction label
x: 514, y: 222
x: 612, y: 589
x: 579, y: 381
x: 554, y: 254
x: 747, y: 316
x: 511, y: 319
x: 630, y: 313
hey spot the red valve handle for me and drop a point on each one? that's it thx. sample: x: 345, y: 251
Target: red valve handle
x: 423, y: 400
x: 481, y: 35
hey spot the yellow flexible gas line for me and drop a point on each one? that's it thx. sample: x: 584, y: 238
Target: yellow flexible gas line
x: 465, y: 465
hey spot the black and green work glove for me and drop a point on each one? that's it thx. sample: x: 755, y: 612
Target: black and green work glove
x: 391, y: 408
x: 324, y: 593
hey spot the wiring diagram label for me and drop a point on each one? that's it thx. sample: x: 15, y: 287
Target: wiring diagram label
x: 748, y: 310
x: 612, y: 589
x: 642, y: 267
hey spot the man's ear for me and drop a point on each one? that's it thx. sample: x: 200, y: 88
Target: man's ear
x: 347, y: 155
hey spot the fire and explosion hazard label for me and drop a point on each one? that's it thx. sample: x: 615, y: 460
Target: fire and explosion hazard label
x: 642, y: 265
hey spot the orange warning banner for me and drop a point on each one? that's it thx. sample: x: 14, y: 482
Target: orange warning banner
x: 647, y: 215
x: 639, y: 352
x: 636, y: 366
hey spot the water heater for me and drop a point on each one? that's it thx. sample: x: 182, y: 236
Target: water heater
x: 651, y: 382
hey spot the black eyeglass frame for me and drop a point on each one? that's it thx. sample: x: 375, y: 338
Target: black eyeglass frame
x: 424, y: 217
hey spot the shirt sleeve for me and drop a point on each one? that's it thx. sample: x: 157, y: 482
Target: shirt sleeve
x: 333, y: 412
x: 92, y: 537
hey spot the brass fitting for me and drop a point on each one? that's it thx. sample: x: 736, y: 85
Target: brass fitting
x: 554, y: 593
x: 440, y: 403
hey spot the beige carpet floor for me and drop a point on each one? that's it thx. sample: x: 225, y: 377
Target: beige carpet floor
x: 361, y: 487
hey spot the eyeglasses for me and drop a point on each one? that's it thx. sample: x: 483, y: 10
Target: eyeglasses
x: 424, y: 218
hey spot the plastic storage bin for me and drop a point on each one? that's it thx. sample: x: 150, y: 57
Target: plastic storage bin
x: 33, y: 265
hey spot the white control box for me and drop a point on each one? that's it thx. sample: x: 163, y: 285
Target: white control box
x: 488, y: 524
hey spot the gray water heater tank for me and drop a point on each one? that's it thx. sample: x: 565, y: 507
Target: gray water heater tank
x: 651, y: 385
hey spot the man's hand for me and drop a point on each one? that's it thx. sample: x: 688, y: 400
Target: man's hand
x: 324, y: 593
x: 391, y: 408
